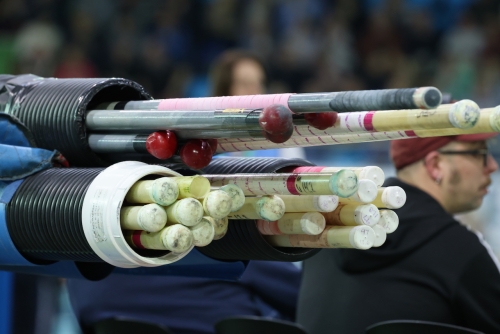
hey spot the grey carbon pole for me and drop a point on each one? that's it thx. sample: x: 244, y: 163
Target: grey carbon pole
x: 142, y: 120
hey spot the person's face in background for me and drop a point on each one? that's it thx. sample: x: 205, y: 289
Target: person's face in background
x: 466, y: 177
x: 248, y: 78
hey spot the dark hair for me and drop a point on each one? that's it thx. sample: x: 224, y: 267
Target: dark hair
x: 222, y: 69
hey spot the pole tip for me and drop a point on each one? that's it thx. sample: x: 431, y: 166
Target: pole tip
x: 427, y: 97
x: 464, y: 114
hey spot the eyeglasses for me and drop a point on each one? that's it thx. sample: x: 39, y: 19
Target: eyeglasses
x: 476, y: 153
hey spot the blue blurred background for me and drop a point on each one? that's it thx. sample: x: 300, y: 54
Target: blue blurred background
x: 307, y: 45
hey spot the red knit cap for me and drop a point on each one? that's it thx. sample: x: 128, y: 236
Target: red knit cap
x: 404, y: 152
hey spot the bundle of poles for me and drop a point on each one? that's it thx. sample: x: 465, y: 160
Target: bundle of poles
x: 194, y: 129
x: 310, y: 207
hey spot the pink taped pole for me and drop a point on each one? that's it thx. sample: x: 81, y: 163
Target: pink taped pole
x: 224, y: 102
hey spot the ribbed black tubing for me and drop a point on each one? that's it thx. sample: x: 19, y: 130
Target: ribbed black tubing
x: 44, y: 218
x: 243, y: 240
x: 54, y: 110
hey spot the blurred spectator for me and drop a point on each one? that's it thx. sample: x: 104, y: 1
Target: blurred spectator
x: 238, y: 73
x: 153, y: 65
x: 37, y: 45
x: 465, y: 41
x: 13, y: 16
x: 74, y: 64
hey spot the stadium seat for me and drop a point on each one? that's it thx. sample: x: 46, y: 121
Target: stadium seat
x: 127, y: 326
x: 253, y: 324
x: 417, y: 327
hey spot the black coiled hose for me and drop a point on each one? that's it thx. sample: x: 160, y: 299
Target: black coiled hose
x: 44, y: 218
x: 243, y: 240
x: 54, y: 110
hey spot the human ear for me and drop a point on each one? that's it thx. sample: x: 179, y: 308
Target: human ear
x: 432, y: 166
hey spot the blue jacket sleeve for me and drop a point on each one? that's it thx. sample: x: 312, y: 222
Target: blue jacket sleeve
x: 276, y: 284
x: 18, y: 156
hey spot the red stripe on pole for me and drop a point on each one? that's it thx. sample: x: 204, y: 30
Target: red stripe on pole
x: 368, y: 121
x: 136, y: 239
x: 275, y: 228
x: 290, y: 184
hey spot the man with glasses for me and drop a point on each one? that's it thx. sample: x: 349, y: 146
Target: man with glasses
x: 431, y: 268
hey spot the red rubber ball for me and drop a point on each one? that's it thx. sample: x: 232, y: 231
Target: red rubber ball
x: 321, y: 120
x: 196, y: 153
x: 161, y: 144
x: 276, y: 119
